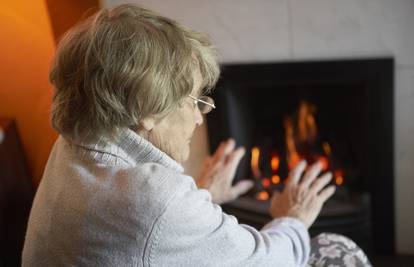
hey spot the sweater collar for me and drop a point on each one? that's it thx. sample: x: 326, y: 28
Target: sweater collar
x: 132, y: 148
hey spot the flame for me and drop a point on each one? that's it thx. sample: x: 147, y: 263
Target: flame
x: 255, y: 162
x: 275, y: 179
x: 292, y: 154
x: 306, y: 122
x: 265, y: 182
x: 327, y: 148
x: 324, y: 162
x: 262, y: 195
x: 339, y: 180
x: 301, y: 130
x: 339, y: 177
x: 274, y: 163
x: 301, y: 134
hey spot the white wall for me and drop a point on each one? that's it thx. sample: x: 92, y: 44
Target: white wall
x: 274, y: 30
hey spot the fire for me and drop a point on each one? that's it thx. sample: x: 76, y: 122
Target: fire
x: 274, y: 163
x: 339, y: 177
x: 262, y: 195
x: 292, y: 155
x: 255, y: 162
x: 327, y: 148
x: 275, y: 179
x: 307, y: 129
x: 339, y: 180
x: 324, y: 162
x: 299, y: 131
x: 302, y: 143
x: 265, y: 182
x: 300, y: 136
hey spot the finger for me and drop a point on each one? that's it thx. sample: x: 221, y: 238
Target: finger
x: 207, y: 162
x: 320, y: 183
x: 230, y: 145
x: 219, y: 151
x: 233, y: 161
x: 296, y: 173
x: 311, y: 174
x: 215, y: 168
x: 227, y: 170
x: 241, y: 187
x: 225, y: 148
x: 229, y: 149
x: 325, y: 194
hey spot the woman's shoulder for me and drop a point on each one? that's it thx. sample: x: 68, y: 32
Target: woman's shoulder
x: 154, y: 176
x: 152, y: 183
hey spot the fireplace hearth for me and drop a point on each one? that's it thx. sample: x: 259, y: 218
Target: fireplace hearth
x: 337, y: 112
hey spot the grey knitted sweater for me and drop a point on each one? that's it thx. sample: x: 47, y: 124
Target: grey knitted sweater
x: 129, y: 204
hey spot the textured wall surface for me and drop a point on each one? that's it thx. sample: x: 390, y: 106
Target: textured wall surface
x: 279, y: 30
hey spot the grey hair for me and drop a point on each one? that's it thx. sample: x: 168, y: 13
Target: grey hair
x: 121, y: 65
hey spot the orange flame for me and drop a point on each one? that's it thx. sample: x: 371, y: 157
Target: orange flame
x: 306, y: 122
x: 275, y: 179
x: 265, y: 182
x: 274, y: 163
x: 324, y: 162
x: 300, y: 130
x: 292, y: 154
x: 339, y: 177
x: 327, y: 148
x: 262, y: 195
x: 255, y: 162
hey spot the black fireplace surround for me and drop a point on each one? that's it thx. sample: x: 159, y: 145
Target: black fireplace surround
x: 354, y: 101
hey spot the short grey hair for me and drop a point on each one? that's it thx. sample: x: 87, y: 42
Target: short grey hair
x: 121, y: 65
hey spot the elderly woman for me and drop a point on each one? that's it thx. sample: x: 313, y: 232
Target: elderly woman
x: 130, y: 88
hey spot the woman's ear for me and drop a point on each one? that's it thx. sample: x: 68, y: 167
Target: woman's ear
x: 148, y: 123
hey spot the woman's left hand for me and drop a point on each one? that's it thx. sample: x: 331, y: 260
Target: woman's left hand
x: 218, y: 170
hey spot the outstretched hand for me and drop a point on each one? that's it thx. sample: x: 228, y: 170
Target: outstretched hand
x: 303, y: 197
x: 218, y: 170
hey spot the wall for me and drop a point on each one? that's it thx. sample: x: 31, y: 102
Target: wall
x: 28, y: 33
x: 66, y: 13
x: 277, y: 30
x: 26, y: 50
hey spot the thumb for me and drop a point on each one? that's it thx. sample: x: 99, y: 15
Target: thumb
x: 241, y: 187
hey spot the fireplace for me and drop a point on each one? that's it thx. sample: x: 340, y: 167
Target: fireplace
x: 339, y: 113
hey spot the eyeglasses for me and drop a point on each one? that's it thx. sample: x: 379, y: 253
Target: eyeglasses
x: 205, y: 104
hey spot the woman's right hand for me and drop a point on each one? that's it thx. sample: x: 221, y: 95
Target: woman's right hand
x: 302, y: 198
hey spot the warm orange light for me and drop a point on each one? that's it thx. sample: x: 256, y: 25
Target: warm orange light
x: 324, y: 162
x: 339, y: 180
x: 326, y: 148
x: 306, y: 124
x: 263, y: 195
x: 299, y: 129
x: 255, y: 162
x: 339, y: 177
x: 266, y: 182
x: 293, y: 157
x: 274, y: 163
x: 275, y: 179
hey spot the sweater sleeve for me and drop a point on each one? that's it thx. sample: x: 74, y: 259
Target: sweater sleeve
x: 192, y: 231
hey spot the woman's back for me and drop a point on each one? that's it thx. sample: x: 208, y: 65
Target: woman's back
x: 130, y: 204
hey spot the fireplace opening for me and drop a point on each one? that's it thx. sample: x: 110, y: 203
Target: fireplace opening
x: 338, y: 113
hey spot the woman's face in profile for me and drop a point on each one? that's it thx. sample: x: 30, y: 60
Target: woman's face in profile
x: 173, y: 133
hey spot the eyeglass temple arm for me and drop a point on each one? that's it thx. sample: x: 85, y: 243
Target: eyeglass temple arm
x: 204, y: 102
